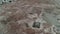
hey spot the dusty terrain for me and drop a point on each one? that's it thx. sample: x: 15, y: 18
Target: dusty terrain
x: 19, y: 16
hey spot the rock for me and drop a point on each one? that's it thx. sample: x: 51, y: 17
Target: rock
x: 36, y: 24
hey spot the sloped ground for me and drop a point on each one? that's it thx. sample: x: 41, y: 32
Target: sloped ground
x: 18, y: 17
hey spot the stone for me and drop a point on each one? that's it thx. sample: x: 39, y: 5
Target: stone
x: 36, y: 24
